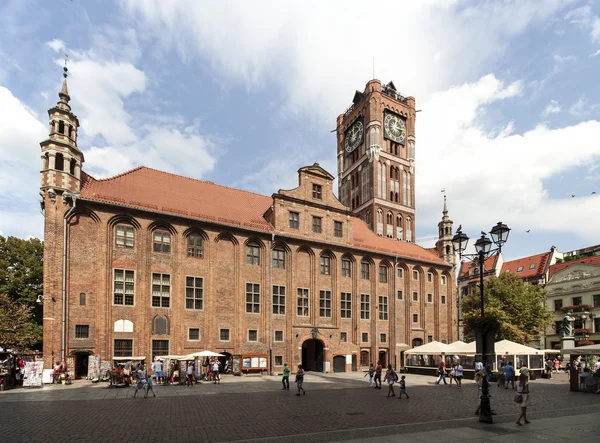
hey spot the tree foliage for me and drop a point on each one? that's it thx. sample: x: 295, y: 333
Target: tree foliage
x: 17, y: 332
x: 514, y: 309
x: 22, y: 276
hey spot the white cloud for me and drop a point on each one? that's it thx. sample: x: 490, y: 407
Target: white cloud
x: 57, y: 45
x: 582, y: 107
x: 579, y: 16
x: 551, y: 108
x: 595, y: 33
x: 595, y: 53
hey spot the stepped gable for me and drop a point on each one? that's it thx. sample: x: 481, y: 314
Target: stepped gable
x: 149, y: 189
x: 593, y: 260
x: 532, y: 266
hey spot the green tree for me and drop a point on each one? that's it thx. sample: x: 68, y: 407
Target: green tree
x: 17, y: 331
x: 514, y: 309
x: 22, y: 275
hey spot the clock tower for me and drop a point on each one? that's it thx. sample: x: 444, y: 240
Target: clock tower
x: 376, y: 156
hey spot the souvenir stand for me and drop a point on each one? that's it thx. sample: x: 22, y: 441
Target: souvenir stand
x: 425, y: 359
x: 582, y: 380
x: 123, y: 370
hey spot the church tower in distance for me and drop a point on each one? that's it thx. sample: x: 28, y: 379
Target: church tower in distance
x: 444, y: 243
x: 376, y: 154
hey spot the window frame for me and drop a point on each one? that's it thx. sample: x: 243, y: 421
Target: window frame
x: 252, y: 331
x: 190, y: 334
x: 82, y: 299
x: 365, y: 270
x: 317, y: 224
x: 163, y: 244
x: 364, y: 337
x: 415, y: 318
x: 317, y: 192
x: 400, y: 272
x: 415, y: 296
x: 124, y: 294
x: 365, y: 306
x: 294, y: 220
x: 429, y: 277
x: 123, y: 351
x: 443, y: 299
x: 383, y: 274
x: 194, y: 299
x: 343, y: 337
x: 161, y: 350
x: 275, y: 336
x: 443, y: 279
x: 325, y: 303
x: 400, y: 294
x: 278, y: 360
x: 415, y: 275
x: 346, y: 268
x: 278, y: 299
x: 78, y: 332
x: 221, y: 331
x: 252, y: 298
x: 429, y: 297
x: 302, y: 302
x: 346, y: 305
x: 253, y: 254
x: 197, y: 250
x: 382, y: 337
x: 383, y: 307
x: 325, y: 265
x: 278, y: 258
x: 556, y: 302
x: 124, y: 237
x: 579, y: 298
x: 160, y: 297
x: 338, y: 229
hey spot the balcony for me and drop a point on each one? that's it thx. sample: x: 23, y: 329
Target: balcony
x: 582, y: 331
x: 576, y: 308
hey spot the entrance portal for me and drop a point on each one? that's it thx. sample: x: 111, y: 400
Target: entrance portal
x: 312, y: 355
x: 339, y: 363
x: 81, y: 365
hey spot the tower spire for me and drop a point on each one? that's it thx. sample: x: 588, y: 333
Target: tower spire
x: 64, y: 91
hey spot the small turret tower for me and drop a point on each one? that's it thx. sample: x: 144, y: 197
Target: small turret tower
x: 61, y: 158
x: 444, y: 243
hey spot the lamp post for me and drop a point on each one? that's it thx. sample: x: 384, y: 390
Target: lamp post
x: 483, y: 248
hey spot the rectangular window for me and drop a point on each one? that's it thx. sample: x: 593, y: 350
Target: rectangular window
x: 415, y: 296
x: 576, y: 301
x: 343, y: 337
x: 162, y: 241
x: 278, y: 258
x: 383, y: 338
x: 443, y: 299
x: 382, y: 274
x: 317, y: 192
x: 415, y: 318
x: 365, y: 306
x: 252, y: 255
x: 161, y: 290
x: 194, y: 293
x: 279, y: 300
x: 415, y: 275
x: 82, y: 299
x: 278, y: 336
x: 400, y: 295
x: 596, y: 300
x: 558, y: 304
x: 325, y: 303
x: 294, y: 220
x: 279, y: 360
x: 325, y: 265
x: 195, y: 246
x: 253, y: 298
x: 365, y: 337
x: 596, y: 325
x: 429, y: 277
x: 82, y: 331
x: 429, y: 298
x: 383, y: 307
x: 224, y: 334
x: 124, y: 236
x: 429, y: 338
x: 159, y: 347
x: 400, y: 272
x: 123, y: 348
x: 558, y: 326
x: 252, y: 335
x: 302, y: 302
x: 316, y: 224
x: 124, y: 287
x: 443, y: 279
x: 364, y: 271
x: 194, y: 334
x: 346, y: 304
x: 346, y: 268
x: 337, y: 229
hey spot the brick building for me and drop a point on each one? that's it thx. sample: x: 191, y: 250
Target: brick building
x: 150, y: 263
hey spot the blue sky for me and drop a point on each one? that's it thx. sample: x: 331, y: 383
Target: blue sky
x: 246, y: 93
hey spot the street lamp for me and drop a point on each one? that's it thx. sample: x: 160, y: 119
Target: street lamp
x: 483, y: 248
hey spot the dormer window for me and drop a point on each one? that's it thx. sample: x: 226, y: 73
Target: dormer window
x: 520, y: 268
x: 532, y: 266
x: 317, y: 191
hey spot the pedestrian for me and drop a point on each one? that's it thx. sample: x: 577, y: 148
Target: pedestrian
x: 149, y: 388
x: 371, y: 374
x: 556, y: 363
x: 478, y: 366
x: 141, y: 380
x: 402, y: 388
x: 441, y: 373
x: 300, y: 380
x: 215, y: 370
x: 459, y: 375
x: 377, y: 378
x: 391, y: 377
x: 501, y: 370
x: 488, y: 372
x: 452, y: 375
x: 157, y: 367
x: 286, y: 377
x: 509, y: 375
x: 522, y: 397
x: 479, y: 380
x: 190, y: 375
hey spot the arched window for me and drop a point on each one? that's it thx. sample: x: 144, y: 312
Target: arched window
x: 391, y: 196
x: 409, y: 194
x: 160, y: 325
x: 408, y: 229
x: 404, y: 187
x: 448, y: 250
x: 364, y: 358
x: 279, y: 258
x: 59, y: 162
x: 390, y: 218
x: 123, y: 326
x: 252, y: 254
x: 392, y: 172
x: 383, y: 181
x: 368, y: 218
x: 72, y: 166
x: 396, y: 197
x: 379, y: 216
x: 399, y: 228
x: 61, y: 127
x: 124, y: 236
x: 417, y: 342
x: 162, y: 241
x: 195, y: 246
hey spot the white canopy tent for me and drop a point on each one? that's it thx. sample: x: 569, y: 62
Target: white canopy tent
x: 431, y: 348
x: 201, y: 354
x: 583, y: 350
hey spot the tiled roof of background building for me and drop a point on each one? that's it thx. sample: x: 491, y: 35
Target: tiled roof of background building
x: 157, y: 191
x: 593, y: 260
x: 488, y: 265
x: 531, y: 266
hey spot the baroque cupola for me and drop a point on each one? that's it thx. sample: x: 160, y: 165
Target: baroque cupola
x: 444, y: 243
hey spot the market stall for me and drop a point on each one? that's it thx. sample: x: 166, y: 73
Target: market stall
x: 583, y: 378
x: 425, y: 359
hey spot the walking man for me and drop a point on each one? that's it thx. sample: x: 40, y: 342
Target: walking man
x: 441, y: 373
x: 157, y: 368
x: 459, y: 375
x: 377, y: 379
x: 300, y: 380
x: 286, y: 377
x: 190, y: 375
x: 141, y: 380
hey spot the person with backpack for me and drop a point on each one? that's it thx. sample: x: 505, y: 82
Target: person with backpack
x: 390, y: 377
x: 300, y: 380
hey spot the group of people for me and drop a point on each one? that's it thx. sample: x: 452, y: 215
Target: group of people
x: 391, y: 378
x: 212, y: 372
x: 454, y: 374
x: 299, y: 379
x: 143, y: 382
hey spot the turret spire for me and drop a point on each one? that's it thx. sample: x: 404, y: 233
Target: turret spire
x: 64, y: 91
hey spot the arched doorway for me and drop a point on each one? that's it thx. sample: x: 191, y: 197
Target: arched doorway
x: 312, y: 355
x: 383, y: 358
x: 339, y: 363
x: 417, y: 342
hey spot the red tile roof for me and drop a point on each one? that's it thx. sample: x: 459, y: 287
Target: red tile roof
x: 539, y: 263
x: 593, y: 260
x: 488, y: 265
x: 157, y: 191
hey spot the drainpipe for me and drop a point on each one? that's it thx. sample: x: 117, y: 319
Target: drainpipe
x: 63, y: 338
x: 270, y: 304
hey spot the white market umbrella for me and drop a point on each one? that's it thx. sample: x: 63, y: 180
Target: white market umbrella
x: 203, y: 354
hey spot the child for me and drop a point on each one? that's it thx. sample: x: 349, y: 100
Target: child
x: 149, y: 388
x: 300, y: 380
x: 402, y: 388
x: 371, y: 373
x: 391, y: 377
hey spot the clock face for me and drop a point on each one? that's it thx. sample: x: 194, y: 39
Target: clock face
x: 354, y: 136
x: 395, y: 129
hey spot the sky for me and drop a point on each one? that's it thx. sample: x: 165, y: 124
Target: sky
x: 244, y: 93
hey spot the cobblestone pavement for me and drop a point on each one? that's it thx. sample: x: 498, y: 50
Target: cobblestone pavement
x: 336, y: 407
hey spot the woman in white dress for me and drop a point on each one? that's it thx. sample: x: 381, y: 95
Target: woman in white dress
x: 523, y: 390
